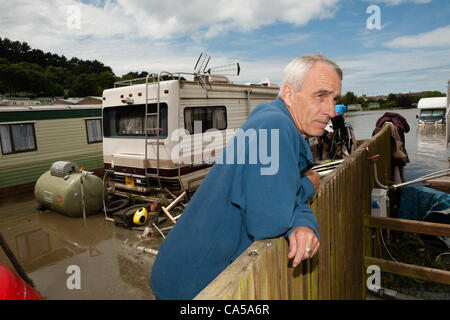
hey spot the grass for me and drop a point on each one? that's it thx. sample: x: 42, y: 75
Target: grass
x: 420, y: 250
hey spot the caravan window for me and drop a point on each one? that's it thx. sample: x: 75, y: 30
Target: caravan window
x: 210, y: 117
x: 17, y: 138
x: 128, y: 121
x: 94, y: 130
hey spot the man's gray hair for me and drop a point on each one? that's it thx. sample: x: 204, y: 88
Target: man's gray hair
x: 294, y: 73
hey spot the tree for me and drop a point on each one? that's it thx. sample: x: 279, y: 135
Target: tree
x: 392, y: 97
x: 84, y: 85
x: 404, y: 101
x: 23, y: 69
x: 105, y: 80
x: 349, y: 98
x: 432, y: 94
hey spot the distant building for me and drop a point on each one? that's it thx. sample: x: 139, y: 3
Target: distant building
x: 66, y: 101
x: 374, y: 105
x: 19, y: 102
x: 90, y: 100
x: 381, y: 97
x: 79, y: 101
x: 354, y: 107
x: 45, y: 100
x: 22, y: 102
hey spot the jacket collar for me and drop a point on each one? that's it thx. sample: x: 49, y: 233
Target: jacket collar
x: 279, y: 103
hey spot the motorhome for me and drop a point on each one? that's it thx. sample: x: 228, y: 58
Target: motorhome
x: 432, y: 110
x: 164, y: 131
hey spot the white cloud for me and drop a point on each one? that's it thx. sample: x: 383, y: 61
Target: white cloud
x: 156, y: 19
x: 172, y: 18
x: 137, y: 35
x: 150, y: 35
x: 386, y: 71
x: 439, y: 37
x: 397, y: 2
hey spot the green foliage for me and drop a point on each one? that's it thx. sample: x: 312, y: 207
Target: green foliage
x: 133, y: 75
x: 424, y: 251
x: 349, y: 98
x: 388, y: 104
x: 432, y: 94
x: 404, y: 101
x: 393, y: 101
x: 23, y: 69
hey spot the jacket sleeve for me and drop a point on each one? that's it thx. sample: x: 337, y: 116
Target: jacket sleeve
x: 303, y: 215
x: 276, y: 204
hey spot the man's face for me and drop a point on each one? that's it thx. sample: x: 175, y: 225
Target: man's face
x: 313, y: 105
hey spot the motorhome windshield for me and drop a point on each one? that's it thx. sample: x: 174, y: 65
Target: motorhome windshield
x: 432, y: 113
x: 128, y: 121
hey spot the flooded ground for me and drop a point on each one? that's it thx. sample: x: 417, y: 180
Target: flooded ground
x: 47, y: 243
x: 426, y: 146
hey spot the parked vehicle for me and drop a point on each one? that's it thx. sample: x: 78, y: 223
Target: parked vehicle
x: 163, y: 131
x: 432, y: 110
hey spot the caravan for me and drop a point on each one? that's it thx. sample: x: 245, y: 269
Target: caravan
x: 432, y: 110
x: 163, y: 132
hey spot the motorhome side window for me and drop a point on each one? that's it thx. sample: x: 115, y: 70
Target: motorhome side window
x: 94, y: 130
x: 128, y: 121
x: 210, y: 117
x: 17, y: 138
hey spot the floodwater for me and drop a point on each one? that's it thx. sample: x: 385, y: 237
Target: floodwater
x: 426, y: 146
x: 48, y: 244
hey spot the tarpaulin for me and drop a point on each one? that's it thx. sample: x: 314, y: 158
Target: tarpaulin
x: 425, y: 204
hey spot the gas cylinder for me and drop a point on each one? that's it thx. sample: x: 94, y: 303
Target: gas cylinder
x: 62, y: 188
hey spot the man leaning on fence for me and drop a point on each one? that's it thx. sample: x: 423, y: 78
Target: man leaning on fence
x: 238, y: 204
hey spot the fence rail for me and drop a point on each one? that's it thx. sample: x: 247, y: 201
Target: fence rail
x: 423, y: 227
x: 341, y: 206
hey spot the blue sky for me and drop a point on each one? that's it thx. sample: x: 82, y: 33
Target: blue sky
x: 410, y: 52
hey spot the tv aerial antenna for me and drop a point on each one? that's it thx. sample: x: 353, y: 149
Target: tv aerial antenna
x: 201, y: 72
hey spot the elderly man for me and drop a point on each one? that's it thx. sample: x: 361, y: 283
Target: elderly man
x: 236, y: 204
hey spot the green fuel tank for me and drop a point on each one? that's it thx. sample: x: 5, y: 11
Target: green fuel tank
x: 62, y: 188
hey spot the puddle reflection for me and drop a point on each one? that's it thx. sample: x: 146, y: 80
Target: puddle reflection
x: 47, y: 243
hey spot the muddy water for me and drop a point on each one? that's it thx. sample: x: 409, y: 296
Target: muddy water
x: 426, y: 146
x: 47, y: 243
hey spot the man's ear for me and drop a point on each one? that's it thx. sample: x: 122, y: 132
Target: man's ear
x: 287, y: 95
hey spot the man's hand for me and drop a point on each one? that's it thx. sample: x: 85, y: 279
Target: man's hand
x: 300, y: 239
x: 314, y: 177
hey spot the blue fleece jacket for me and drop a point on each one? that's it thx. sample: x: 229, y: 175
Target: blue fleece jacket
x: 236, y: 204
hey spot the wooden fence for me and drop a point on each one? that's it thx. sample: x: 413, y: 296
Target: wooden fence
x: 342, y: 205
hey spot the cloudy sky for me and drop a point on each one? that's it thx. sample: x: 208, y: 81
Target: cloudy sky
x: 382, y: 46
